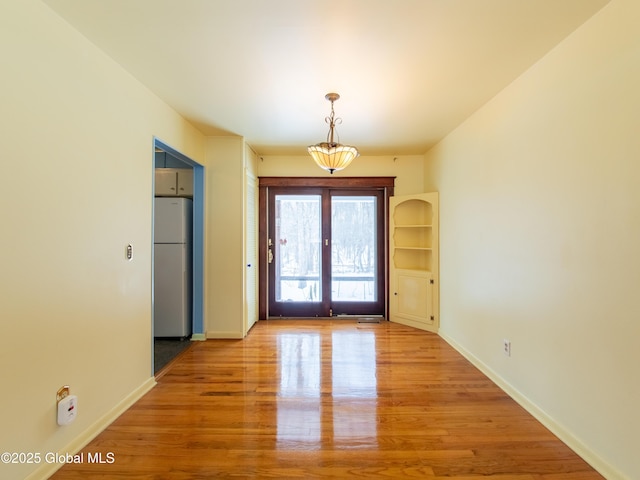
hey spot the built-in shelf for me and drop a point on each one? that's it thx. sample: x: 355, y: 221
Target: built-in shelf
x: 412, y: 234
x: 413, y: 248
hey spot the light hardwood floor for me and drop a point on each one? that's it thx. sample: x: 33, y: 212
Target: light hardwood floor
x: 327, y: 399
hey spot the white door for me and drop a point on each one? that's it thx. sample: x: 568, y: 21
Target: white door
x: 251, y: 245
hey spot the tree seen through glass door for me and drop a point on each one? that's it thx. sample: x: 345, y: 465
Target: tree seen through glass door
x: 297, y: 247
x: 353, y: 248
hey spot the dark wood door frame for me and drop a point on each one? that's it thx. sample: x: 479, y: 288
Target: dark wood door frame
x: 386, y: 184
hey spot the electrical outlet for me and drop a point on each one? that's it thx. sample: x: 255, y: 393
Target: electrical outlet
x: 506, y: 347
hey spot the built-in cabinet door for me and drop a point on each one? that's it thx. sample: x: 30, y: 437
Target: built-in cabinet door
x: 174, y: 182
x: 412, y: 300
x: 185, y: 183
x: 166, y: 181
x: 413, y: 260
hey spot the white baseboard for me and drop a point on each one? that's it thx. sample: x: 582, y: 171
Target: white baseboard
x: 223, y: 335
x: 78, y: 443
x: 198, y: 337
x: 604, y: 468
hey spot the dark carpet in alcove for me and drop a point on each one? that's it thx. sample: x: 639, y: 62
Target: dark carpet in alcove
x: 166, y: 349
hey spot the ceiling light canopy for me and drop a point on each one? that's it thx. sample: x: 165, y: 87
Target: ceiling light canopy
x: 331, y: 155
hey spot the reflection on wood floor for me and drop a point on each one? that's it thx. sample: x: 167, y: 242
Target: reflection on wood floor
x: 328, y: 399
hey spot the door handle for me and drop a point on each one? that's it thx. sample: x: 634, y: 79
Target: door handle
x: 270, y: 256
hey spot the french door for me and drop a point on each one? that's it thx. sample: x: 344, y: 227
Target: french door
x: 325, y: 250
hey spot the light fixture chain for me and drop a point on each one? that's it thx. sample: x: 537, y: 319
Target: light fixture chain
x: 332, y: 121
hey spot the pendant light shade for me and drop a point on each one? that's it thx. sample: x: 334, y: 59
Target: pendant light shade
x: 330, y: 155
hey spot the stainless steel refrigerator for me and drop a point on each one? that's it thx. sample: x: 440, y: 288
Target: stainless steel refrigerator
x: 172, y: 293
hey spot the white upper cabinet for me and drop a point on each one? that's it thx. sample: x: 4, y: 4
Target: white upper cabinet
x: 174, y: 182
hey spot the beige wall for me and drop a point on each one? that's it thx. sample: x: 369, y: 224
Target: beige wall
x: 228, y: 161
x: 540, y: 229
x: 77, y: 166
x: 225, y: 237
x: 408, y: 169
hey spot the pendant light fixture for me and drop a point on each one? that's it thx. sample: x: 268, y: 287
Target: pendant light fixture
x: 331, y: 155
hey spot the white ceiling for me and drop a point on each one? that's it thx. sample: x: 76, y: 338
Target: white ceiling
x: 408, y: 71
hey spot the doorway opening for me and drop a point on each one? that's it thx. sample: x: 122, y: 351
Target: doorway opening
x: 166, y: 347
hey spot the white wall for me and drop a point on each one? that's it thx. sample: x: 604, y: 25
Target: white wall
x: 77, y: 166
x: 540, y: 229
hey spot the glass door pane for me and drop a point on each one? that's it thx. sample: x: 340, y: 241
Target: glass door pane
x: 297, y: 250
x: 357, y: 252
x: 353, y: 249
